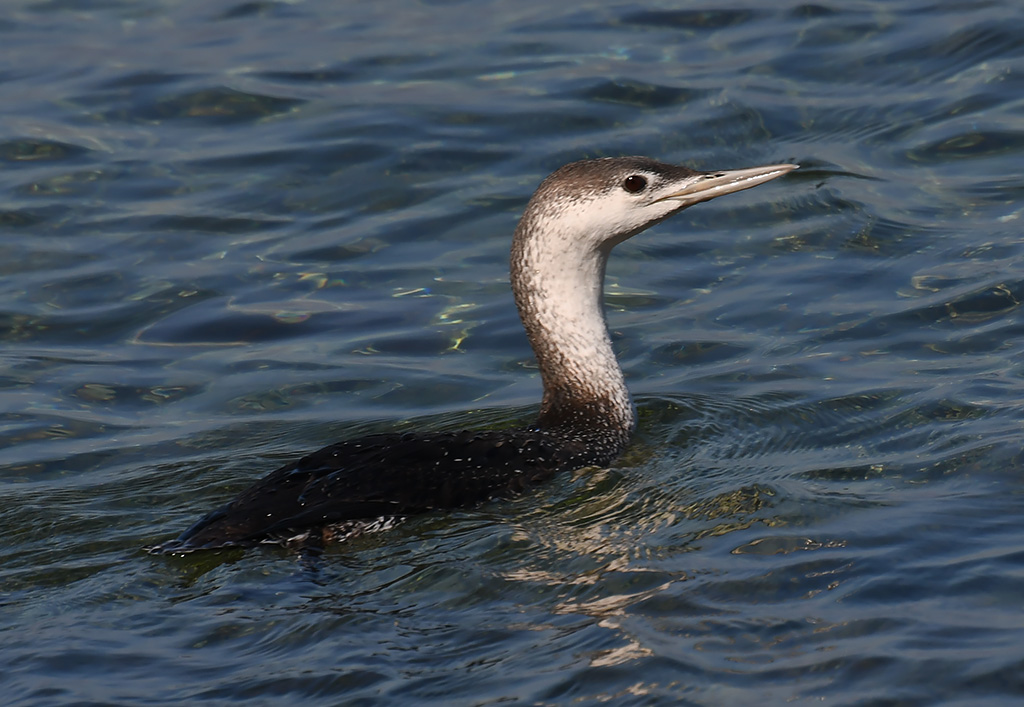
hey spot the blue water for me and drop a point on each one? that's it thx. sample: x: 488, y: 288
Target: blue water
x: 234, y: 232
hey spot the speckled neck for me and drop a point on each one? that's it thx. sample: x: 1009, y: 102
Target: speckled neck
x: 558, y: 285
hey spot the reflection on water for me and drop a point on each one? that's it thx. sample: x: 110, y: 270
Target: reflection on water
x: 236, y: 232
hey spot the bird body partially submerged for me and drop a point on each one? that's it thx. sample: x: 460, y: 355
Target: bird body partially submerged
x: 559, y: 253
x: 385, y: 476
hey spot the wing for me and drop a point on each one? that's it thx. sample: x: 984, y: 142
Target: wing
x: 383, y: 475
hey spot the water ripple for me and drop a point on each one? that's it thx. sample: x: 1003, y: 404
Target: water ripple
x: 235, y: 232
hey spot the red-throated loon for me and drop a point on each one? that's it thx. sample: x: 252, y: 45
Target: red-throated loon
x: 559, y: 252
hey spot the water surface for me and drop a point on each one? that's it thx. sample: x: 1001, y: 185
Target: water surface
x: 233, y: 232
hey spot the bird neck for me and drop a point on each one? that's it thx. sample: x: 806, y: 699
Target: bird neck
x: 558, y: 287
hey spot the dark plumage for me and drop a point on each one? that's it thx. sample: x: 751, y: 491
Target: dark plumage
x: 387, y: 475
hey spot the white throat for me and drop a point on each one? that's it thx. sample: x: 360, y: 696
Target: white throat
x: 558, y: 281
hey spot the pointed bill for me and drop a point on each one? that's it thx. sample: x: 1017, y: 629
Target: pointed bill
x: 708, y: 185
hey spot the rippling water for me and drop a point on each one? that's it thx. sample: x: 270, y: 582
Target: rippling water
x: 231, y: 233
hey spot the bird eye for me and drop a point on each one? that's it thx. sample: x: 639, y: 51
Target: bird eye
x: 634, y: 184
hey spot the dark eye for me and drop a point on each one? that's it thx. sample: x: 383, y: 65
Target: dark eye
x: 634, y: 184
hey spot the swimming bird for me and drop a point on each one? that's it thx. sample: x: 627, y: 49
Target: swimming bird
x: 559, y: 252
